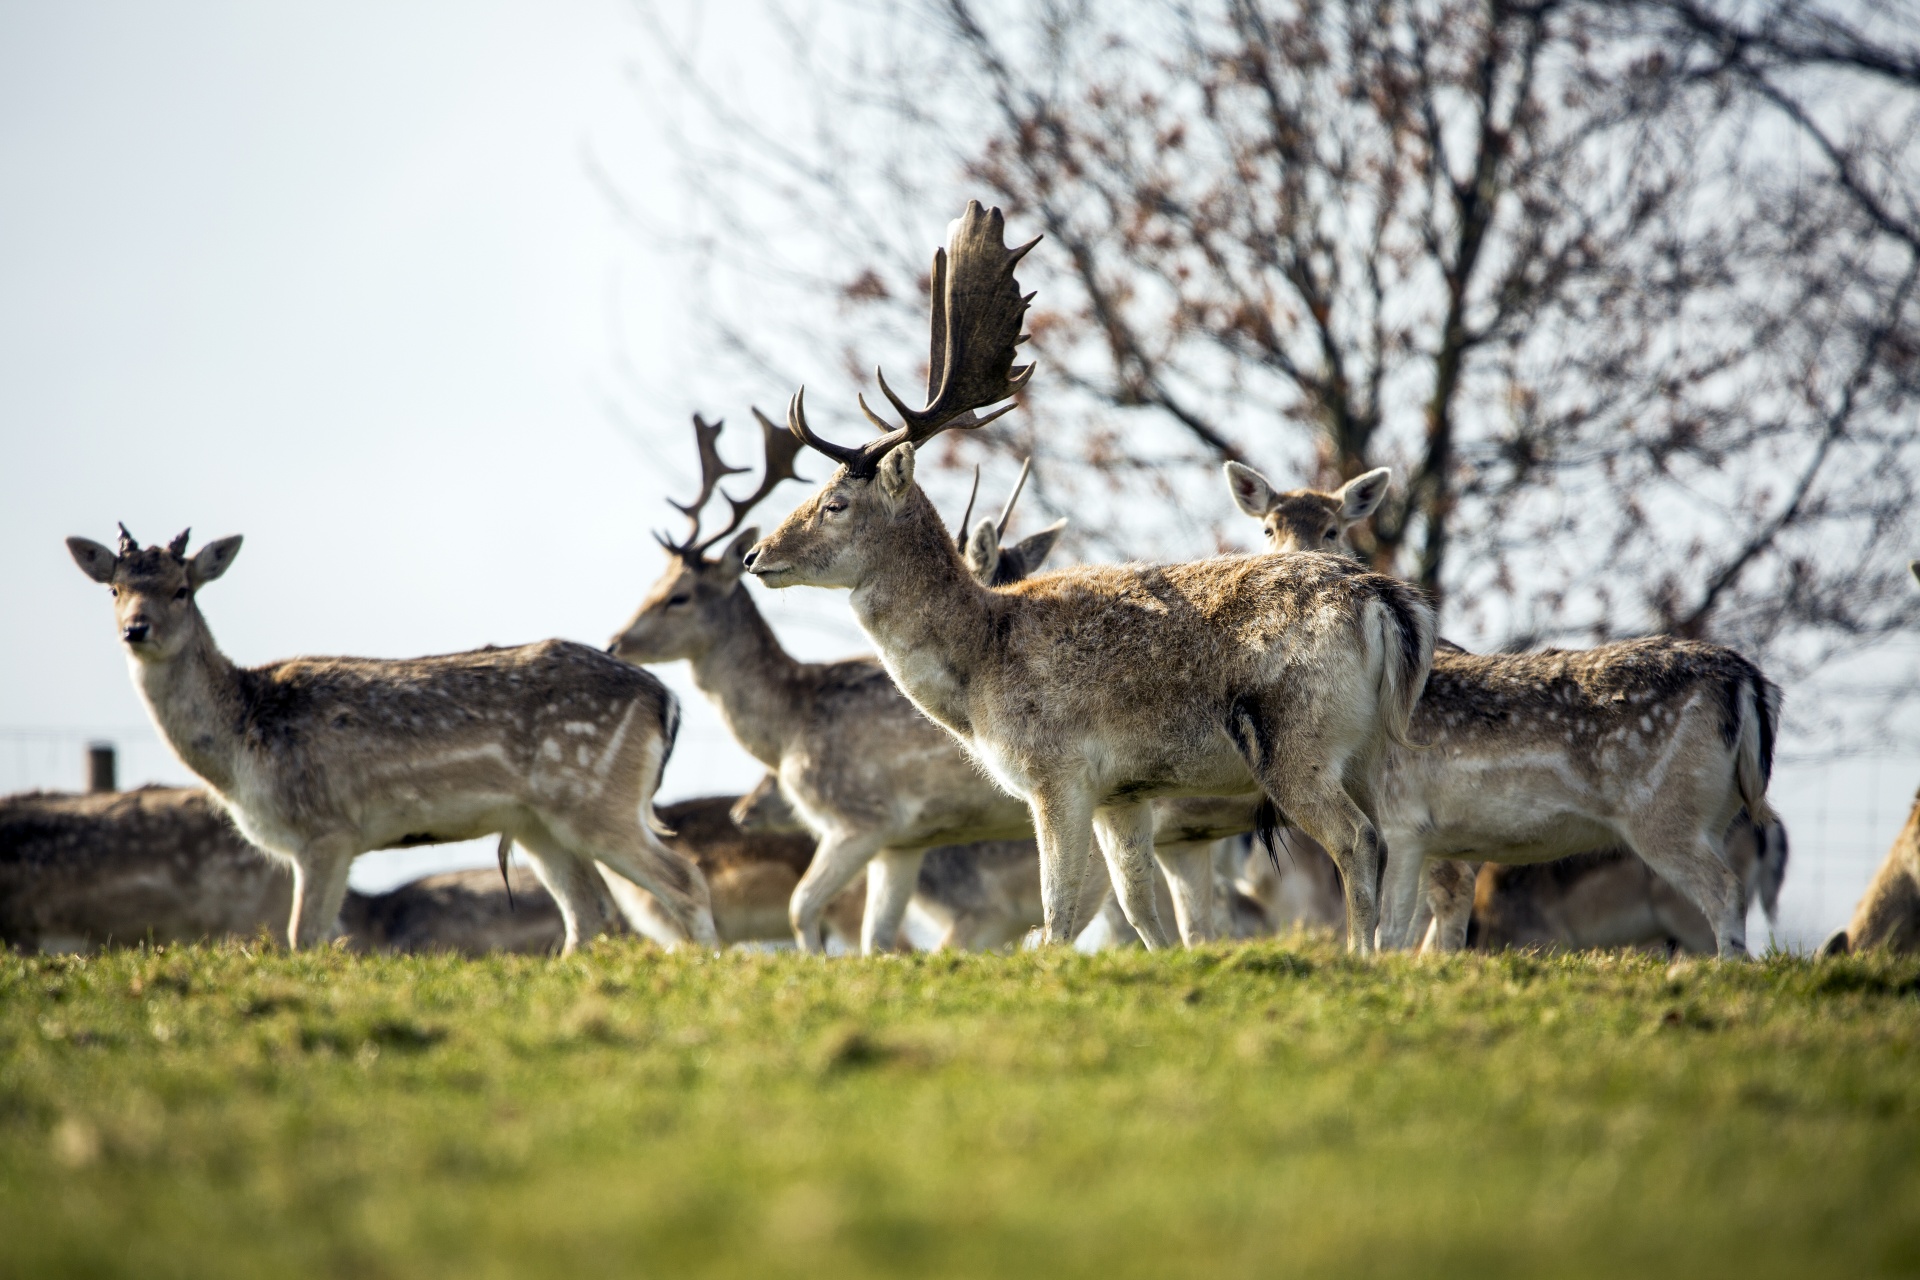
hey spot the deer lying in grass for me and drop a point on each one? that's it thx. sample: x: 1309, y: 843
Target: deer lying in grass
x: 165, y: 864
x: 1092, y: 691
x: 322, y: 759
x: 160, y: 864
x: 1609, y: 898
x: 1888, y: 915
x: 872, y: 778
x: 1649, y: 745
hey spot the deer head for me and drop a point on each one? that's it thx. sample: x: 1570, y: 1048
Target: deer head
x: 989, y: 557
x: 685, y: 610
x: 977, y: 313
x: 153, y: 588
x: 1306, y: 519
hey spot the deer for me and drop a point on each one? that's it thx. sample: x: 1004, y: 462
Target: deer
x: 1653, y: 745
x: 160, y: 865
x: 1089, y: 692
x: 318, y: 760
x: 1888, y: 914
x: 1609, y: 898
x: 876, y: 782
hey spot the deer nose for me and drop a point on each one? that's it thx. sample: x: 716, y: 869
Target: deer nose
x: 135, y: 632
x: 746, y: 561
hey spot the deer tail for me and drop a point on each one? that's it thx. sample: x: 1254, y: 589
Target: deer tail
x: 1756, y: 712
x: 1401, y: 631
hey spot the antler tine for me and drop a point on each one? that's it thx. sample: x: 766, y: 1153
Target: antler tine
x: 977, y: 311
x: 713, y: 469
x: 797, y: 424
x: 128, y: 543
x: 967, y: 515
x: 781, y: 449
x: 1006, y: 512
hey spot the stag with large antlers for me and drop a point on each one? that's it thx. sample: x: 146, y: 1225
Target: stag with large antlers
x: 1091, y: 691
x: 322, y: 759
x: 873, y: 779
x: 1654, y: 746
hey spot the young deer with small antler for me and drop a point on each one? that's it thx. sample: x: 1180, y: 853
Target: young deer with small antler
x: 870, y: 776
x: 319, y: 760
x: 1092, y: 691
x: 1651, y: 745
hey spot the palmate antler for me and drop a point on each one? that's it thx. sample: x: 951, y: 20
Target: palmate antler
x: 977, y: 312
x: 780, y: 451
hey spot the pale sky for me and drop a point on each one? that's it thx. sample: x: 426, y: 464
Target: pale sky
x: 333, y: 276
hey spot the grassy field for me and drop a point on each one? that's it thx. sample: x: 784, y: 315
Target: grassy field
x: 1245, y: 1110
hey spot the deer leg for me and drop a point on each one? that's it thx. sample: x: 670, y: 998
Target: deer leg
x: 1400, y: 912
x: 586, y: 909
x: 1698, y: 869
x: 1063, y: 828
x: 836, y: 861
x: 1332, y: 818
x: 319, y: 887
x: 1450, y: 894
x: 1188, y: 867
x: 674, y: 881
x: 1126, y: 838
x: 891, y: 878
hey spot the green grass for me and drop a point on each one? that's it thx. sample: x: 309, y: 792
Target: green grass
x: 1236, y: 1111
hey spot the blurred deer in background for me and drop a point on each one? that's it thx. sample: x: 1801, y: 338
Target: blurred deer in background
x: 873, y: 779
x: 1092, y: 691
x: 1651, y: 745
x: 322, y: 759
x: 1888, y: 915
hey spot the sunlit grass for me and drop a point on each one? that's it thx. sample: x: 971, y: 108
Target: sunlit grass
x: 1248, y: 1110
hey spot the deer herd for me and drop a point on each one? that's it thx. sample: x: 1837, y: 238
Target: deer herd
x: 1097, y: 751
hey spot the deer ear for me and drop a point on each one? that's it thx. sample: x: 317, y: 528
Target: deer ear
x: 94, y: 560
x: 1026, y: 555
x: 1251, y: 492
x: 983, y: 551
x: 896, y: 473
x: 1362, y: 494
x: 734, y: 558
x: 212, y: 560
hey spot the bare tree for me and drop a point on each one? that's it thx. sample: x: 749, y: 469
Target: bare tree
x: 1623, y: 292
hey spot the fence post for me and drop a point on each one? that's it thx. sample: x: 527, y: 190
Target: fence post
x: 100, y: 767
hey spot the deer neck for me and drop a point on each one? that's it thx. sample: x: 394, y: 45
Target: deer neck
x: 926, y: 614
x: 758, y: 687
x: 194, y: 699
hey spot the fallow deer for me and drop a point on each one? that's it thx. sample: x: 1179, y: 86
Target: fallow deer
x: 1092, y: 691
x: 973, y: 897
x: 873, y: 779
x: 160, y: 864
x: 166, y: 864
x: 1609, y: 898
x: 1888, y: 915
x: 319, y: 760
x: 1651, y: 745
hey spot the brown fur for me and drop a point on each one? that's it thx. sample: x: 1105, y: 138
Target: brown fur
x: 1104, y: 687
x: 1652, y: 745
x: 322, y: 759
x: 161, y: 864
x: 1609, y: 898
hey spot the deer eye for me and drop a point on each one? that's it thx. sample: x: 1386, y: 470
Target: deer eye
x: 180, y: 593
x: 1331, y: 534
x: 114, y: 592
x: 835, y: 504
x: 682, y: 598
